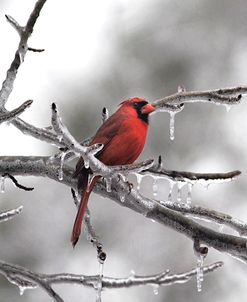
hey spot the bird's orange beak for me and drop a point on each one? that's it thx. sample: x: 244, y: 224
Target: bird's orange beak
x: 147, y: 109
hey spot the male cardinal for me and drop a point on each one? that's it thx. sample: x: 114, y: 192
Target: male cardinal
x: 123, y: 136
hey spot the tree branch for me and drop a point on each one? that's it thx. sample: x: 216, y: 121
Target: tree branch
x: 14, y: 113
x: 191, y: 177
x: 41, y: 166
x: 226, y: 96
x: 4, y: 216
x: 199, y: 212
x: 24, y: 33
x: 28, y: 278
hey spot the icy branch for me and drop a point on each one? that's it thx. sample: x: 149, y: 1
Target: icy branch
x: 191, y: 177
x: 226, y: 96
x: 205, y: 214
x: 25, y: 33
x: 28, y: 279
x: 7, y: 86
x: 40, y: 166
x: 9, y: 115
x: 4, y: 216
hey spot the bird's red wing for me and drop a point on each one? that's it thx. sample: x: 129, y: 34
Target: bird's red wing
x: 103, y: 136
x: 122, y: 143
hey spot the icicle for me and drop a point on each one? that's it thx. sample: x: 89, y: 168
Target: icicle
x: 99, y: 283
x: 228, y: 107
x: 205, y: 183
x: 108, y: 184
x: 86, y: 163
x: 132, y: 274
x: 155, y: 186
x: 22, y: 289
x: 60, y: 171
x: 21, y: 283
x: 189, y: 196
x: 179, y: 194
x: 172, y: 183
x: 155, y: 289
x: 138, y: 180
x: 172, y: 124
x: 122, y: 196
x: 199, y: 272
x: 2, y: 184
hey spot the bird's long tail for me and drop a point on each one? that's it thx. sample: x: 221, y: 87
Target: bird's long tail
x: 81, y: 211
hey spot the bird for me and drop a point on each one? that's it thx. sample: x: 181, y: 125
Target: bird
x: 123, y: 136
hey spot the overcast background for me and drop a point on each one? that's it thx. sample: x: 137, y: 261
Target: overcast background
x: 97, y: 54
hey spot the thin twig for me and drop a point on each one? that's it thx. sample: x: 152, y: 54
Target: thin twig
x: 35, y: 49
x: 9, y: 115
x: 16, y: 182
x: 199, y: 212
x: 46, y: 280
x: 226, y: 96
x: 191, y: 177
x: 7, y: 215
x: 24, y: 33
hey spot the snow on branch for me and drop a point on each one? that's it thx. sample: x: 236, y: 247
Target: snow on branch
x: 26, y: 279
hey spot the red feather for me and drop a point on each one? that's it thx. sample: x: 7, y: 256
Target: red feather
x: 123, y: 136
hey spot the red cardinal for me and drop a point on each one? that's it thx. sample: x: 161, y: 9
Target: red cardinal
x: 123, y: 136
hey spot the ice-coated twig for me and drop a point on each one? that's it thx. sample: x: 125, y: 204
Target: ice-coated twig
x: 192, y: 177
x: 201, y: 253
x: 21, y: 283
x: 14, y: 180
x: 7, y: 85
x: 47, y: 280
x: 7, y: 215
x: 24, y: 32
x: 226, y: 96
x: 26, y: 279
x: 205, y: 214
x: 9, y: 115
